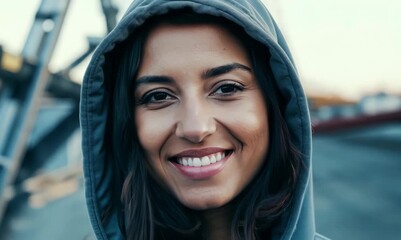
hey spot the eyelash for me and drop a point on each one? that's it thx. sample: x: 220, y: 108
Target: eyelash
x: 146, y: 99
x: 236, y: 87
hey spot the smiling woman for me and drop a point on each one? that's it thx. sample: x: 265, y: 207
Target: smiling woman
x: 194, y: 129
x: 210, y: 108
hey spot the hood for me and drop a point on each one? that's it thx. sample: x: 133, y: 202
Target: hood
x: 253, y: 16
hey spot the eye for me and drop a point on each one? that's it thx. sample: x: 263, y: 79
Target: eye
x: 228, y: 89
x: 156, y: 97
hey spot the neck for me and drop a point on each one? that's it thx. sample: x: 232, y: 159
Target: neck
x: 217, y: 223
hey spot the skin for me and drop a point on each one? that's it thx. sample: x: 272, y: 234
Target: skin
x: 192, y: 111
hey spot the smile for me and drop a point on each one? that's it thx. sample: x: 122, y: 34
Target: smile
x: 203, y: 161
x: 201, y: 164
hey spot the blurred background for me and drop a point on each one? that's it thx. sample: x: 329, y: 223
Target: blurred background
x: 347, y: 53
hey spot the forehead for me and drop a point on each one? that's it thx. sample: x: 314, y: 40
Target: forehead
x: 189, y: 44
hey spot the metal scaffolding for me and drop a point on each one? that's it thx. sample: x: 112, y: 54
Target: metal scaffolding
x: 24, y: 81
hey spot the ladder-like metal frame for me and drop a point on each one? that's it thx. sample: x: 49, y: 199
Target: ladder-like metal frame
x: 20, y: 102
x: 22, y: 89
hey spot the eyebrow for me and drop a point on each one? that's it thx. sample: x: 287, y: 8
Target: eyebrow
x: 209, y: 73
x: 217, y: 71
x: 153, y: 79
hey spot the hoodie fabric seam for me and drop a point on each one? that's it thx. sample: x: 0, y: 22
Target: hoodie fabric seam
x: 93, y: 197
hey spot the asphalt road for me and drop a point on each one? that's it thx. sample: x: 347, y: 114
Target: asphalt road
x: 357, y: 177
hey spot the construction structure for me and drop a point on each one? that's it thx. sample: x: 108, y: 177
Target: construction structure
x: 29, y: 139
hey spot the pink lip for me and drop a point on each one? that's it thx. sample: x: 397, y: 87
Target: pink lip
x: 198, y: 173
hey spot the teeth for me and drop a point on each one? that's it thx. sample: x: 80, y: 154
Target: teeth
x: 218, y: 157
x: 212, y: 159
x: 197, y: 162
x: 204, y: 161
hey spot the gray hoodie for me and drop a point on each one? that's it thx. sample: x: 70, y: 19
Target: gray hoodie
x: 253, y: 16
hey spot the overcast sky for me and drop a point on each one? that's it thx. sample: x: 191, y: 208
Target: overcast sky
x: 346, y: 48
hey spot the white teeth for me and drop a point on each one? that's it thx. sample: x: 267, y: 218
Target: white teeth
x: 218, y: 157
x: 212, y: 159
x: 204, y: 161
x: 197, y: 162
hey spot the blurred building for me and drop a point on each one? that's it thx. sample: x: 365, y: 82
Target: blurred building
x: 328, y: 108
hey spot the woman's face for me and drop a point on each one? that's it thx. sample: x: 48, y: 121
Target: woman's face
x: 200, y: 115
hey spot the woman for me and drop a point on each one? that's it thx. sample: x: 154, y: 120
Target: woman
x: 195, y: 127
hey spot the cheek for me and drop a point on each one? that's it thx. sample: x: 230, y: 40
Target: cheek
x: 253, y: 135
x: 153, y: 129
x: 247, y: 121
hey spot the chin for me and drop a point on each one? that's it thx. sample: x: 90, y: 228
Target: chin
x: 204, y: 204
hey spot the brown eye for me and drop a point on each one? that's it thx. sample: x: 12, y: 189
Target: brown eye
x: 160, y: 96
x: 156, y: 97
x: 228, y: 89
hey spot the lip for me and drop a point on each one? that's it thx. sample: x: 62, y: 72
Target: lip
x: 203, y: 172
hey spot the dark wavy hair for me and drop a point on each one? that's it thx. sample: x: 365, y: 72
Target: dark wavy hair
x: 144, y: 209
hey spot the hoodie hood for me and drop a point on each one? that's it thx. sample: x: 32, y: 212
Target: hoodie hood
x: 253, y: 16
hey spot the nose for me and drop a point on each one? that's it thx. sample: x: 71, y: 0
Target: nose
x: 196, y: 122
